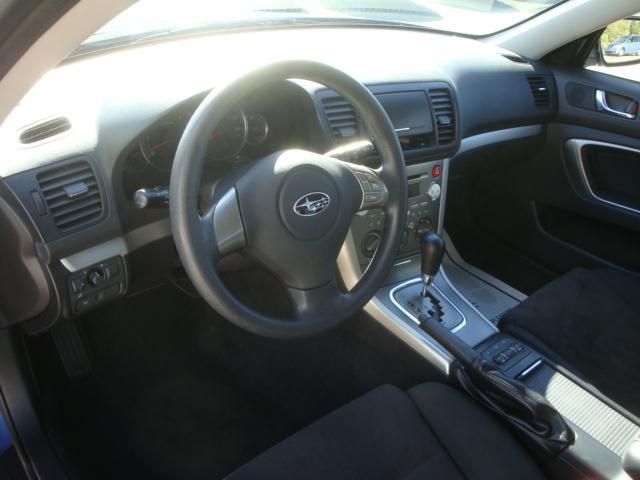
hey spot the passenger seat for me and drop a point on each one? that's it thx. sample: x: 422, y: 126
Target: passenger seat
x: 589, y: 322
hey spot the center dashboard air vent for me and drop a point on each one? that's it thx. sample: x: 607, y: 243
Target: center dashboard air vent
x: 44, y: 130
x: 539, y: 90
x: 71, y: 195
x: 341, y: 117
x: 444, y: 113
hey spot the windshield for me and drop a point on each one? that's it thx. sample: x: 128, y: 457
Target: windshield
x: 152, y: 18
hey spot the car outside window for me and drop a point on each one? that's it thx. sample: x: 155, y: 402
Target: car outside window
x: 618, y: 50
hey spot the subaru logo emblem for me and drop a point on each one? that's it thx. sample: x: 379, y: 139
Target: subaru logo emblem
x: 311, y: 204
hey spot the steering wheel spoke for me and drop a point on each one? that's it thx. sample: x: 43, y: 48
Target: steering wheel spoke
x: 373, y: 188
x: 320, y: 304
x: 222, y: 225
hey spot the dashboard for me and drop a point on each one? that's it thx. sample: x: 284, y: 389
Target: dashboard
x: 105, y: 126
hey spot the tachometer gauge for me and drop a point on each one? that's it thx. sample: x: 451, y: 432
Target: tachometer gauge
x: 230, y: 137
x: 160, y: 144
x: 258, y: 129
x: 135, y: 162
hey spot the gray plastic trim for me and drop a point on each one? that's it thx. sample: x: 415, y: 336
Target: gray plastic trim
x: 576, y: 145
x: 497, y: 136
x: 464, y: 299
x: 456, y: 258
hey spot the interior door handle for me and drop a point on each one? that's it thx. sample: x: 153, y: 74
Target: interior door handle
x: 603, y: 106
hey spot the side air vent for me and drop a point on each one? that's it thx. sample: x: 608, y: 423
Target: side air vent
x: 341, y: 117
x: 71, y: 195
x: 445, y: 115
x: 44, y: 130
x: 540, y: 91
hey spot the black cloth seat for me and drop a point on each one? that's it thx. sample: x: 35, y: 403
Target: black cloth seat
x: 430, y: 432
x: 589, y: 322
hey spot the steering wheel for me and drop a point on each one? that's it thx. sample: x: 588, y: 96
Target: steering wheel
x: 290, y: 210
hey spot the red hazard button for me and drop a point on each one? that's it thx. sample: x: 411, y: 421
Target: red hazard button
x: 436, y: 171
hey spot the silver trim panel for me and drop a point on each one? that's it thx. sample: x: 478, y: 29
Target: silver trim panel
x: 111, y: 248
x: 118, y: 246
x: 497, y: 136
x: 535, y: 365
x: 576, y: 145
x: 411, y: 334
x: 392, y: 297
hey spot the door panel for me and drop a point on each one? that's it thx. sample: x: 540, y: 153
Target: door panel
x: 535, y: 212
x: 589, y: 213
x: 577, y: 100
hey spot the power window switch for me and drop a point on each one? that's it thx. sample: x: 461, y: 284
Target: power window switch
x: 509, y: 353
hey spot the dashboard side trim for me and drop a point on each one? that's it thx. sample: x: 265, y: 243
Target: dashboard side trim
x: 497, y: 136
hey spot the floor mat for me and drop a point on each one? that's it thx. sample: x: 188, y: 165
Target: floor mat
x: 177, y: 392
x: 155, y: 406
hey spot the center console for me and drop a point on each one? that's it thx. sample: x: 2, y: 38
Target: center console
x: 424, y: 115
x: 423, y: 214
x: 592, y: 436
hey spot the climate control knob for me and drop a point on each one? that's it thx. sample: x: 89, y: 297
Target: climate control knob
x: 434, y: 191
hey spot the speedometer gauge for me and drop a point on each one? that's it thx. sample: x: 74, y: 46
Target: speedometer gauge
x: 160, y: 144
x: 258, y: 129
x: 230, y: 137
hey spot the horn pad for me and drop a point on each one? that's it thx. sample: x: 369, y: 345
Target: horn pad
x: 309, y: 203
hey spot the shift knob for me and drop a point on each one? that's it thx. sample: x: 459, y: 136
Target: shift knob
x: 432, y: 251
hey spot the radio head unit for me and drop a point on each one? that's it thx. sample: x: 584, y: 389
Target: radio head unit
x: 411, y: 117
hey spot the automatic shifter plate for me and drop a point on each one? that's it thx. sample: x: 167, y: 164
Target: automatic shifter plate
x: 411, y: 300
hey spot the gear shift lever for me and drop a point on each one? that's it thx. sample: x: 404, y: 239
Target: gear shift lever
x: 431, y: 250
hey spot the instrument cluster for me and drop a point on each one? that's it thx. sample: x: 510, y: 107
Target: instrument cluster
x: 276, y: 116
x: 242, y: 135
